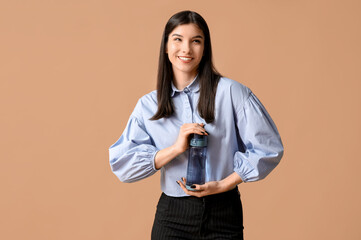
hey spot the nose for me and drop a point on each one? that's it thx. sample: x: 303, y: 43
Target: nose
x: 186, y: 48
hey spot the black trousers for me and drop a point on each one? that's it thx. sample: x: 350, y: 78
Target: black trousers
x: 216, y: 216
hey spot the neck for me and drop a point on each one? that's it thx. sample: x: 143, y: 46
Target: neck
x: 181, y: 79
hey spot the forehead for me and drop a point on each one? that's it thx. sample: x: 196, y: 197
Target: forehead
x: 187, y: 30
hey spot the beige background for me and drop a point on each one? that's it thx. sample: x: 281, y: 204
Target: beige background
x: 71, y: 72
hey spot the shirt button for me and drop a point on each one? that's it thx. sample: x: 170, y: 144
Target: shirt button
x: 186, y: 90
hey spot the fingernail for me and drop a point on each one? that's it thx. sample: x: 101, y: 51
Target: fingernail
x: 177, y: 183
x: 207, y: 132
x: 193, y: 186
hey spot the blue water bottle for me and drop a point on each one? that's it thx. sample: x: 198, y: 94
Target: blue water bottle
x: 196, y: 171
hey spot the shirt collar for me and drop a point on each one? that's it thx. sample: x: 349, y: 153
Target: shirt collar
x: 192, y: 87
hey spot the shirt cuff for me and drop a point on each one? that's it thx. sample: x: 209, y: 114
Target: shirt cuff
x: 243, y: 168
x: 153, y: 160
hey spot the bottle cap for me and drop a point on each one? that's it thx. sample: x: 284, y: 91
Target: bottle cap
x: 198, y: 140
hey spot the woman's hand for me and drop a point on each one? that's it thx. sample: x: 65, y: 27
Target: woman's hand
x: 206, y: 189
x: 182, y: 142
x: 212, y: 187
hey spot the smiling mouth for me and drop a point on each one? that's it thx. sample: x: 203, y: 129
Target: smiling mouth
x: 185, y: 59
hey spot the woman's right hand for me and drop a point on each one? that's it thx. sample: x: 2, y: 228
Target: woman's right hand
x: 182, y: 142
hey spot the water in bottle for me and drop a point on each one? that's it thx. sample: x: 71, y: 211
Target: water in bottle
x: 196, y: 171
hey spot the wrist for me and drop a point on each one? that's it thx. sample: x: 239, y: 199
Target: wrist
x: 230, y: 182
x: 176, y: 150
x: 224, y: 185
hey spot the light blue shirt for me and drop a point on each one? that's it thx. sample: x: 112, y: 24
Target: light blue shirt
x: 242, y: 139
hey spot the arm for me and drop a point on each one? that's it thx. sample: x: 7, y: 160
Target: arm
x: 262, y: 142
x: 263, y: 149
x: 131, y: 157
x: 167, y: 154
x: 134, y: 156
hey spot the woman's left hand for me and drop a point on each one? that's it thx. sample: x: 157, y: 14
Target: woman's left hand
x: 206, y: 189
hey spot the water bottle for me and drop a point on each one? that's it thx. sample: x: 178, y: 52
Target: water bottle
x: 196, y: 171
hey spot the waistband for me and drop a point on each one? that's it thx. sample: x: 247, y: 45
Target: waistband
x: 234, y: 193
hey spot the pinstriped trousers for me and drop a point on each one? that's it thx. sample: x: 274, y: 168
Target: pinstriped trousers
x: 214, y: 217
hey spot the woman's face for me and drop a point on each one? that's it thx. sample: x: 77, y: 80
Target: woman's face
x: 185, y: 48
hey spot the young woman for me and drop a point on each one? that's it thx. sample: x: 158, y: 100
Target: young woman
x: 193, y: 98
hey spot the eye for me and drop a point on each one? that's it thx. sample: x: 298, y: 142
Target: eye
x: 197, y: 41
x: 177, y: 39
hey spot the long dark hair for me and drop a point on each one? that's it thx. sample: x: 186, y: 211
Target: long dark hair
x: 207, y: 74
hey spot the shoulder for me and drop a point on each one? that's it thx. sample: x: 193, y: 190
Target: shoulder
x: 233, y: 88
x: 149, y: 98
x: 147, y: 103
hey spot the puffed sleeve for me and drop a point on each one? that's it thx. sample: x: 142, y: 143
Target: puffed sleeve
x: 132, y: 156
x: 263, y: 147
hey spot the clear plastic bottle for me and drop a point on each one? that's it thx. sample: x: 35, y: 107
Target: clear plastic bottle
x: 196, y: 171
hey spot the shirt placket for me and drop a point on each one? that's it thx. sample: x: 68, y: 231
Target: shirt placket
x: 188, y: 113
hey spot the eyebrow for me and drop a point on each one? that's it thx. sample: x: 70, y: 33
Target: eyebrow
x: 178, y: 35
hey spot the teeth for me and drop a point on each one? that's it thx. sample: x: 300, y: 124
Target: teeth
x: 185, y: 58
